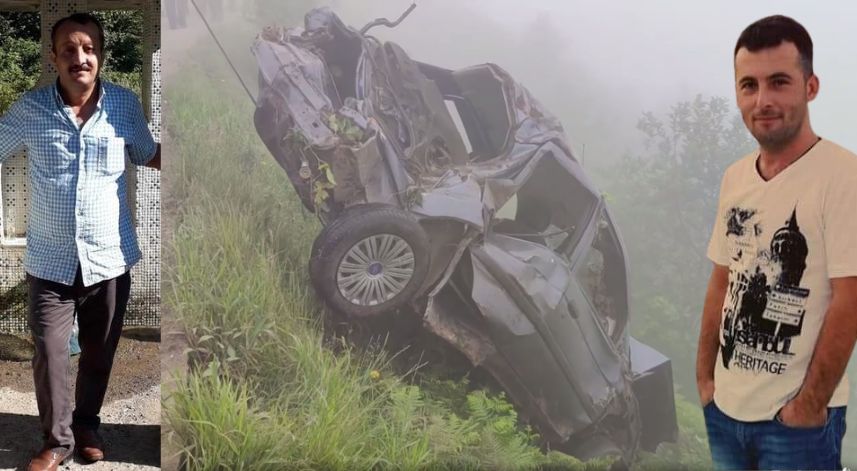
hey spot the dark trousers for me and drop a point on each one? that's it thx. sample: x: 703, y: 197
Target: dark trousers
x: 100, y: 310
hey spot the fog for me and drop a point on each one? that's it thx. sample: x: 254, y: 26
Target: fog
x: 621, y: 58
x: 598, y: 66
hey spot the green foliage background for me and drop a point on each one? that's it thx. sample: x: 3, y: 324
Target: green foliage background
x: 20, y: 51
x: 20, y: 55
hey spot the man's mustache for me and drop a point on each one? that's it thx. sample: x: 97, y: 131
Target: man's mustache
x: 767, y: 115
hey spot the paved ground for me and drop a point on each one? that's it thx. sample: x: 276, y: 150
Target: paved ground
x: 130, y: 418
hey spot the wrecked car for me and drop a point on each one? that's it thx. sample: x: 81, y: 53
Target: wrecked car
x: 454, y: 194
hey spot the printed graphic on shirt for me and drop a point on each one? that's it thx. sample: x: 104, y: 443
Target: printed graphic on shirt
x: 765, y: 305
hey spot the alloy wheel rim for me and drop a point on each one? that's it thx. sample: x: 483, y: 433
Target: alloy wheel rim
x: 375, y: 269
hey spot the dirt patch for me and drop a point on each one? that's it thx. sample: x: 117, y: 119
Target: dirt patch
x: 135, y: 368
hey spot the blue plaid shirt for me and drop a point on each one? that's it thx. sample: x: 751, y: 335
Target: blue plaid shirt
x: 78, y: 207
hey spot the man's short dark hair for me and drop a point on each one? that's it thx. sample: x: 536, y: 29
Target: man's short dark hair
x: 771, y: 31
x: 81, y: 19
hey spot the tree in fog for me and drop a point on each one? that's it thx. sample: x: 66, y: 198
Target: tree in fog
x: 665, y: 200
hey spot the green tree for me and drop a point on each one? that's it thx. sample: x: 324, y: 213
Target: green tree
x: 665, y: 201
x: 20, y: 56
x: 123, y: 38
x: 21, y: 59
x: 123, y: 55
x: 23, y: 25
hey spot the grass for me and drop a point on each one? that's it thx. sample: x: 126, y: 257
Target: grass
x: 271, y: 392
x: 239, y: 283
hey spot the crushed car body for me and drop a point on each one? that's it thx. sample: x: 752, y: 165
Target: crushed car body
x: 459, y: 189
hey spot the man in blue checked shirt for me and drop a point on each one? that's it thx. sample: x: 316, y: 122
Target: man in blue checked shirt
x: 80, y: 241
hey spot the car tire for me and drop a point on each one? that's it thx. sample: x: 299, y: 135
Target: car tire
x: 372, y: 260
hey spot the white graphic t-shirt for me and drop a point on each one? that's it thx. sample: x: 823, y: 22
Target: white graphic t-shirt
x: 783, y: 240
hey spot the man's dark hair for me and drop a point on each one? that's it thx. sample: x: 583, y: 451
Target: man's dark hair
x: 81, y: 19
x: 771, y: 31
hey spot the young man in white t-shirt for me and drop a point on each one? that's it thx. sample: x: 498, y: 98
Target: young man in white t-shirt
x: 780, y: 316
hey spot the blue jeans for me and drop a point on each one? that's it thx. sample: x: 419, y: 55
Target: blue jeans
x: 770, y: 444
